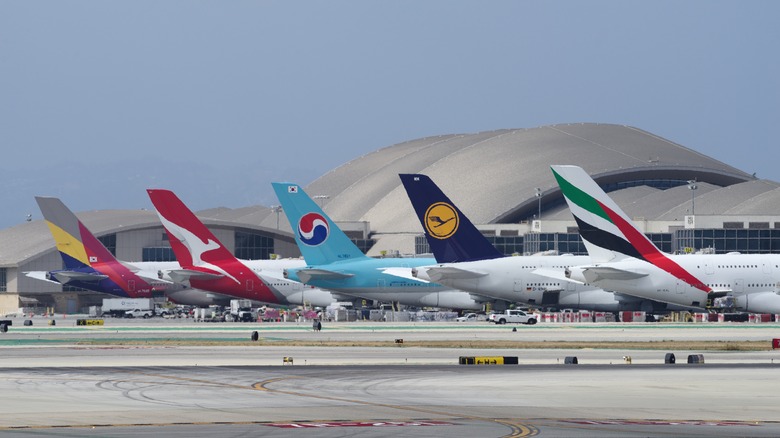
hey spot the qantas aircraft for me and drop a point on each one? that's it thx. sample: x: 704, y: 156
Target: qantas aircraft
x: 209, y: 265
x: 334, y: 262
x: 90, y: 265
x: 468, y: 261
x: 625, y: 260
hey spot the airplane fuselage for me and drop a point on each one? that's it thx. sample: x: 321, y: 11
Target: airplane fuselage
x: 512, y: 279
x: 365, y: 278
x: 753, y: 280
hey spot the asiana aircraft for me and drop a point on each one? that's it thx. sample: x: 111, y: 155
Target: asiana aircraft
x: 88, y: 264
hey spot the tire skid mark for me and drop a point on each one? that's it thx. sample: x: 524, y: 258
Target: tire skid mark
x: 517, y: 429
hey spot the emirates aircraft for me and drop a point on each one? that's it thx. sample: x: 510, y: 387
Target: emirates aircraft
x: 623, y: 259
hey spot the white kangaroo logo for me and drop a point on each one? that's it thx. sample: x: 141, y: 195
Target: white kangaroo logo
x: 194, y: 245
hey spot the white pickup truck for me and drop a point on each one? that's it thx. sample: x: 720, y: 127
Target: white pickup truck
x: 139, y: 313
x: 513, y: 316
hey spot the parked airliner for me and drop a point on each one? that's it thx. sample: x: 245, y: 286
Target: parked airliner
x: 334, y: 262
x: 468, y: 261
x: 207, y: 264
x: 624, y: 259
x: 89, y: 265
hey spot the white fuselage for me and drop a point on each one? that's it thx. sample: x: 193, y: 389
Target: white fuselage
x: 512, y: 279
x: 753, y: 280
x: 269, y: 271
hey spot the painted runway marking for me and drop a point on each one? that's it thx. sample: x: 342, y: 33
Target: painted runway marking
x: 517, y: 429
x: 359, y: 424
x: 662, y: 422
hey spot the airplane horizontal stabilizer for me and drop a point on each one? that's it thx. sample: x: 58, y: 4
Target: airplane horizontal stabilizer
x: 597, y: 273
x: 131, y: 268
x: 407, y: 273
x: 40, y: 275
x: 305, y: 275
x: 183, y: 276
x: 555, y: 274
x: 65, y: 277
x: 452, y: 273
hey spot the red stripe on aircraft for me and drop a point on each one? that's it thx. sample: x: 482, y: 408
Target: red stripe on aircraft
x: 651, y: 253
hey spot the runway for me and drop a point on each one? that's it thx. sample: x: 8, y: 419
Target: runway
x: 53, y: 386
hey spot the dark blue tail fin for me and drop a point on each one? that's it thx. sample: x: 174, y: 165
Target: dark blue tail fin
x: 451, y: 235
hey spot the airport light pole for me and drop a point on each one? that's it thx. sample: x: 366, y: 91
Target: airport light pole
x: 277, y: 209
x: 539, y: 199
x: 692, y: 186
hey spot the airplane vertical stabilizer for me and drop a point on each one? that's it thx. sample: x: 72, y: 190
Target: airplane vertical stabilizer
x: 191, y: 241
x: 82, y: 251
x: 206, y: 262
x: 450, y: 234
x: 606, y: 230
x: 320, y: 240
x: 608, y: 233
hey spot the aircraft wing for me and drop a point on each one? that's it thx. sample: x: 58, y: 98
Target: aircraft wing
x: 183, y: 276
x: 721, y: 291
x: 65, y: 277
x: 305, y: 275
x: 438, y: 273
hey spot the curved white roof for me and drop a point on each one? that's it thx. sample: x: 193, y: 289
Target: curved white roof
x: 492, y: 177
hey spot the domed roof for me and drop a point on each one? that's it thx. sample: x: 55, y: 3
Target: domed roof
x: 493, y: 176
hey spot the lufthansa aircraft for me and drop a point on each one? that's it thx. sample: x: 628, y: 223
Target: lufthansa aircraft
x: 335, y: 263
x: 624, y: 259
x: 468, y: 261
x: 209, y: 265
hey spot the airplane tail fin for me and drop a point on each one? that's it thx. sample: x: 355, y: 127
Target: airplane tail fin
x: 192, y: 243
x: 450, y: 234
x: 320, y: 240
x: 77, y: 246
x: 85, y: 258
x: 606, y: 230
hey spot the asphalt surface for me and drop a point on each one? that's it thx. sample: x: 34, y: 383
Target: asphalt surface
x: 57, y: 382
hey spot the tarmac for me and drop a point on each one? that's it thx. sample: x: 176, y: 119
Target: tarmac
x: 130, y: 378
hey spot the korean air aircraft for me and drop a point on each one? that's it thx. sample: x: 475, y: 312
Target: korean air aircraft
x: 468, y: 261
x: 335, y: 263
x: 90, y: 265
x: 207, y: 264
x: 625, y: 260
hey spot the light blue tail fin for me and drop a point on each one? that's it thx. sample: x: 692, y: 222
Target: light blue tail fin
x: 320, y: 240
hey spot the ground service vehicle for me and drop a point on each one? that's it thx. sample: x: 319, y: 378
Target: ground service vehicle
x: 513, y: 316
x: 241, y: 310
x: 118, y: 307
x: 139, y: 313
x: 467, y: 317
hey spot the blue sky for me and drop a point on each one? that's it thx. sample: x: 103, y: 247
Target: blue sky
x: 214, y: 100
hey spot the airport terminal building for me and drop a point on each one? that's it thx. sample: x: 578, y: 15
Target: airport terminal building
x: 684, y: 200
